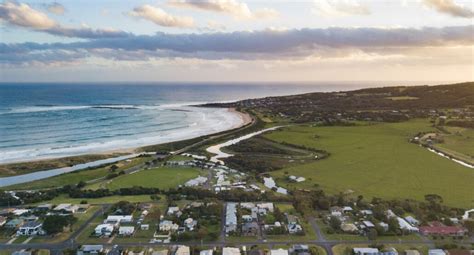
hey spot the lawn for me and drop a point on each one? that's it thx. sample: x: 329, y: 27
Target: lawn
x: 162, y: 177
x: 77, y: 176
x: 376, y: 161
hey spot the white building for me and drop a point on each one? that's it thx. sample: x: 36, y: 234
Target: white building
x: 190, y: 223
x: 206, y: 252
x: 230, y: 251
x: 69, y: 208
x: 167, y: 225
x: 231, y: 217
x: 104, y: 230
x: 412, y: 221
x: 90, y: 249
x: 182, y: 250
x: 119, y: 219
x: 279, y: 252
x: 31, y: 228
x: 126, y: 230
x: 366, y: 251
x: 436, y: 252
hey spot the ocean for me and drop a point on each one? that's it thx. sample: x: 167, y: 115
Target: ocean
x: 39, y: 121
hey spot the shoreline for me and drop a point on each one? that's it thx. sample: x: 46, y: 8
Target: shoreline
x: 245, y: 119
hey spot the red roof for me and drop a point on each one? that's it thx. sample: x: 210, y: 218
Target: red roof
x: 442, y: 230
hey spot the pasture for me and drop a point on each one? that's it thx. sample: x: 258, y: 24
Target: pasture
x: 376, y: 160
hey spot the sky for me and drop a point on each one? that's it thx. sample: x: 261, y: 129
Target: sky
x: 237, y: 40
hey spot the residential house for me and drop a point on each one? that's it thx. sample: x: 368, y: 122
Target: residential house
x: 230, y: 251
x: 14, y: 223
x: 250, y: 229
x: 66, y: 208
x: 126, y: 230
x: 279, y: 252
x: 190, y: 223
x: 294, y: 228
x: 167, y: 225
x: 443, y: 230
x: 436, y: 252
x: 3, y: 220
x: 206, y: 252
x: 145, y: 226
x: 300, y: 249
x: 173, y: 210
x: 118, y: 219
x: 412, y: 220
x: 365, y: 251
x: 90, y: 249
x: 31, y: 228
x: 104, y: 230
x: 349, y: 228
x: 412, y: 252
x: 182, y: 250
x: 231, y: 217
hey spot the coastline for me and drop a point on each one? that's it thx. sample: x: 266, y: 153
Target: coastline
x: 244, y: 120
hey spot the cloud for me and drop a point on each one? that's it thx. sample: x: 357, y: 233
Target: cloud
x: 160, y: 17
x: 339, y: 8
x: 22, y: 15
x: 450, y: 7
x: 255, y: 45
x: 230, y: 7
x: 56, y: 8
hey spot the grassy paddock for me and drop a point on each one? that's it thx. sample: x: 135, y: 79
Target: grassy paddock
x: 162, y: 177
x: 376, y: 161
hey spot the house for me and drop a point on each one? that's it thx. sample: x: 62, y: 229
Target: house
x: 29, y: 218
x: 231, y: 217
x: 145, y: 226
x: 279, y: 252
x: 126, y: 230
x: 196, y: 181
x: 412, y: 252
x: 172, y: 210
x: 389, y: 251
x: 44, y: 207
x: 19, y: 212
x: 14, y: 223
x: 167, y: 225
x: 443, y: 230
x: 349, y: 228
x: 365, y: 251
x: 3, y: 220
x: 266, y: 206
x: 66, y: 208
x: 182, y: 250
x: 294, y: 228
x: 247, y: 218
x: 412, y: 220
x: 347, y: 209
x: 291, y: 219
x: 300, y: 249
x: 368, y: 224
x: 206, y: 252
x: 114, y: 219
x: 366, y: 212
x: 90, y: 249
x: 436, y: 252
x: 250, y: 229
x: 383, y: 225
x: 336, y: 211
x: 404, y: 225
x: 31, y: 228
x: 230, y: 251
x: 104, y: 230
x: 189, y: 223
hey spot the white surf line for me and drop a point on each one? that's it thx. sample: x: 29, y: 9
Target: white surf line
x: 453, y: 159
x: 216, y: 149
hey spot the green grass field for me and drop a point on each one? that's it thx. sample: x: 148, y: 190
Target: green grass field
x: 75, y: 177
x: 460, y: 143
x: 162, y: 177
x: 377, y: 161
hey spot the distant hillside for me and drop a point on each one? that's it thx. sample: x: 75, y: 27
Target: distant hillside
x: 386, y: 103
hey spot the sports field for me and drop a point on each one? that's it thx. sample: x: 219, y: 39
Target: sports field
x: 377, y: 161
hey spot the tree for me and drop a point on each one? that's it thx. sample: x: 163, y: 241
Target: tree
x: 335, y: 223
x: 55, y: 223
x: 372, y: 234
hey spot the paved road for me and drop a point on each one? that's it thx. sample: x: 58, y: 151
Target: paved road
x: 319, y: 234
